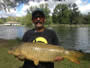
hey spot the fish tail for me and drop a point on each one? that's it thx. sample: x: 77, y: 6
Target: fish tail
x: 72, y: 59
x: 74, y: 56
x: 86, y: 57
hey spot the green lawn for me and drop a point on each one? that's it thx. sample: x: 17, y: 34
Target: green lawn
x: 9, y: 61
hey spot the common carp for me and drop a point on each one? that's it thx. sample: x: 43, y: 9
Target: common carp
x: 43, y: 52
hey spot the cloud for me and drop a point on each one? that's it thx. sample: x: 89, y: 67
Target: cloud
x: 6, y: 14
x: 21, y: 10
x: 84, y: 9
x: 84, y: 6
x: 51, y: 4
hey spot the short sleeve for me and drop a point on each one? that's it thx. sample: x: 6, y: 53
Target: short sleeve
x: 25, y: 37
x: 55, y: 38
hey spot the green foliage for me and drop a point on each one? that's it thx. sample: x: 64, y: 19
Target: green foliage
x: 46, y: 10
x: 27, y: 20
x: 8, y: 4
x: 67, y: 14
x: 87, y: 19
x: 2, y: 20
x: 11, y: 18
x: 61, y: 14
x: 75, y: 14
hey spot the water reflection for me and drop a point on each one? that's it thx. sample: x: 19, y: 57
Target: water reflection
x: 66, y: 36
x: 11, y: 32
x: 76, y: 38
x: 82, y: 38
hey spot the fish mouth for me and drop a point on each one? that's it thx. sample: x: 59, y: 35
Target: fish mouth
x: 9, y: 52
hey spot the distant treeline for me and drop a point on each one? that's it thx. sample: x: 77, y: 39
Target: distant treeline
x: 62, y: 14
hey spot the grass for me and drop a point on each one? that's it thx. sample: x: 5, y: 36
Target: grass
x: 6, y: 60
x: 9, y: 61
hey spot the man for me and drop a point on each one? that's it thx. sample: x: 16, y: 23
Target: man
x: 40, y: 34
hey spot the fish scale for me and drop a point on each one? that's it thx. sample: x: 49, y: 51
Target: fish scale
x: 43, y: 52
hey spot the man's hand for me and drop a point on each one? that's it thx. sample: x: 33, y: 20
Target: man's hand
x: 58, y: 58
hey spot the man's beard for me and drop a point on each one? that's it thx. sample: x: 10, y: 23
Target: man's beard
x: 39, y: 23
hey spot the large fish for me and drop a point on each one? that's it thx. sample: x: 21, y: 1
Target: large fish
x: 43, y: 52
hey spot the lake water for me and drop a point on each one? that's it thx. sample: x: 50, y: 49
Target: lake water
x: 11, y: 32
x: 70, y: 37
x: 77, y: 38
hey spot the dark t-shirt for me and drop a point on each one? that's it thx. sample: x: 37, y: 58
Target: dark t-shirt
x: 47, y: 36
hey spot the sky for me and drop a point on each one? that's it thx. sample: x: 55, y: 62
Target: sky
x: 83, y: 5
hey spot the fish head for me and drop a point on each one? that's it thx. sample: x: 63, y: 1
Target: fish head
x: 14, y: 51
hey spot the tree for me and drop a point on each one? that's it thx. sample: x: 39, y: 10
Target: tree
x: 2, y: 20
x: 61, y: 14
x: 86, y: 19
x: 27, y: 20
x: 11, y: 18
x: 75, y: 14
x: 7, y: 4
x: 46, y: 10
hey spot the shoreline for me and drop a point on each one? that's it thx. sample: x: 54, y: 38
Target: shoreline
x: 69, y: 25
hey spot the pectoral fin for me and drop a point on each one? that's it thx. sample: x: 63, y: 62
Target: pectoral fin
x: 20, y: 57
x: 36, y: 62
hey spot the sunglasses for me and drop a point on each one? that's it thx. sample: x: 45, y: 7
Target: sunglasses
x: 37, y: 16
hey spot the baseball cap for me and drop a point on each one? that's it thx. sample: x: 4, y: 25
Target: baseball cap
x: 38, y: 12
